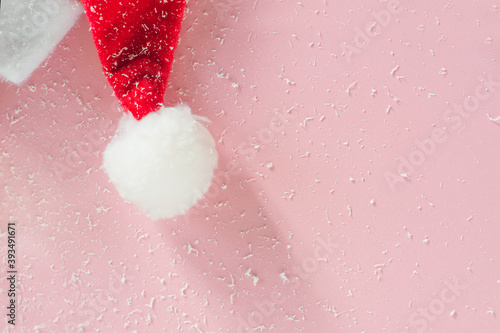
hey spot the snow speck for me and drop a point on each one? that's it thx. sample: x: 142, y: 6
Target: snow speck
x: 443, y: 71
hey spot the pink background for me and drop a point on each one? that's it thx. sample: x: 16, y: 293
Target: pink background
x: 88, y: 261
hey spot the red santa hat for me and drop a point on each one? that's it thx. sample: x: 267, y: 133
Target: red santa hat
x: 162, y: 158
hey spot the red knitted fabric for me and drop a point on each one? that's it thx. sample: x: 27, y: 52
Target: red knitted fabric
x: 135, y: 40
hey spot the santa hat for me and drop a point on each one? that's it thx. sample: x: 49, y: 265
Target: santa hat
x: 162, y: 158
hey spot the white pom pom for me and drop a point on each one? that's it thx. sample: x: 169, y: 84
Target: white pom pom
x: 163, y: 163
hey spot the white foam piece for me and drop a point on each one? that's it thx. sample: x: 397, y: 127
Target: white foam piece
x: 29, y: 31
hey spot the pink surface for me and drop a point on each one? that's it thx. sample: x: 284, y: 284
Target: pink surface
x: 307, y: 137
